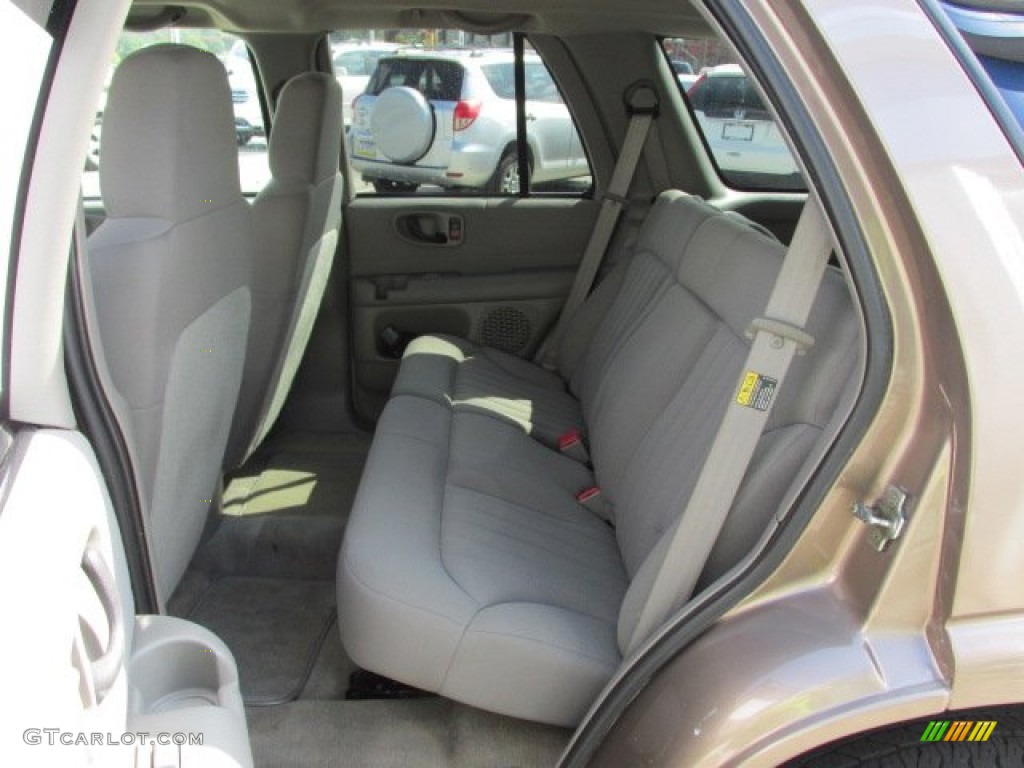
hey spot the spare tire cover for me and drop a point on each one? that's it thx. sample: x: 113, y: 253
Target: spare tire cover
x: 402, y: 122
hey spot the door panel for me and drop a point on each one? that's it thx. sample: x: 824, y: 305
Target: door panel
x: 501, y: 235
x: 160, y: 691
x: 500, y: 283
x: 56, y: 537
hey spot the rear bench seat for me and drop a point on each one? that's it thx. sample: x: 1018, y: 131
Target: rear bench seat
x: 469, y: 568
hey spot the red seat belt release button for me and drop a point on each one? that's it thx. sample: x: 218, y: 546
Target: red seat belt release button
x: 571, y: 444
x: 592, y: 498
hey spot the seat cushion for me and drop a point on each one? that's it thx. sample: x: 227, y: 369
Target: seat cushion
x: 496, y: 589
x: 475, y: 379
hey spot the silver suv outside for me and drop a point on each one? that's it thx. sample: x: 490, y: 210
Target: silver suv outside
x: 448, y: 118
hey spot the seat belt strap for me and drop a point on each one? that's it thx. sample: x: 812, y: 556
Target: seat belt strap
x: 642, y: 105
x: 655, y: 162
x: 777, y: 338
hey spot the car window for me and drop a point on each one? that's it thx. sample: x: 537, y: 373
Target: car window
x: 746, y: 145
x: 250, y: 131
x: 539, y: 85
x: 438, y: 115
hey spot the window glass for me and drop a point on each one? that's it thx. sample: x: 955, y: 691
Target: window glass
x: 539, y: 85
x: 746, y: 145
x: 250, y: 132
x: 434, y: 112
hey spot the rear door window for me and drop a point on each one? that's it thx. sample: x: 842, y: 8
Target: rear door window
x: 439, y: 115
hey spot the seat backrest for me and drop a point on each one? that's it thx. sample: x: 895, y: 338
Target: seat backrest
x: 170, y: 268
x: 662, y: 365
x: 298, y: 222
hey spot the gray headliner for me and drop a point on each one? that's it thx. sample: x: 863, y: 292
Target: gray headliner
x: 572, y: 16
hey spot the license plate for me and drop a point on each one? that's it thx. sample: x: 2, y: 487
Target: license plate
x: 365, y: 148
x: 738, y: 131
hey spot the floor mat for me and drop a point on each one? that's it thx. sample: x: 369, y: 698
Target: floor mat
x: 297, y: 547
x: 329, y: 678
x: 274, y: 627
x: 309, y: 475
x: 396, y: 734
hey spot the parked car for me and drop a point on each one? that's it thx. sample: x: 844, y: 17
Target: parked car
x: 353, y: 65
x: 448, y: 118
x: 686, y: 80
x: 244, y: 95
x: 682, y: 67
x: 743, y: 137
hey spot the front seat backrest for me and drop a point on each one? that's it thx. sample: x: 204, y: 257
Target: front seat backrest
x: 170, y: 269
x: 297, y: 220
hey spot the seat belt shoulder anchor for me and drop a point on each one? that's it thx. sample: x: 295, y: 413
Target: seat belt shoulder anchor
x: 641, y: 98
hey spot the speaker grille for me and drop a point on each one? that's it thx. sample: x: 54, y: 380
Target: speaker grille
x: 506, y: 328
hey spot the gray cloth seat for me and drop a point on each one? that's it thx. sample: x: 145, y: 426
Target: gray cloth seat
x: 170, y: 268
x: 469, y: 567
x: 472, y: 378
x: 474, y: 584
x: 297, y: 219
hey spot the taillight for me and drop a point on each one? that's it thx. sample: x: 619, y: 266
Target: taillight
x: 465, y: 113
x: 696, y: 83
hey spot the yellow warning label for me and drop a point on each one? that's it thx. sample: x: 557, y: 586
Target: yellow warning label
x: 756, y: 391
x: 747, y: 388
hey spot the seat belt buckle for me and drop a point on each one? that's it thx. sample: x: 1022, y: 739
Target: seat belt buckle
x: 592, y: 498
x: 571, y: 444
